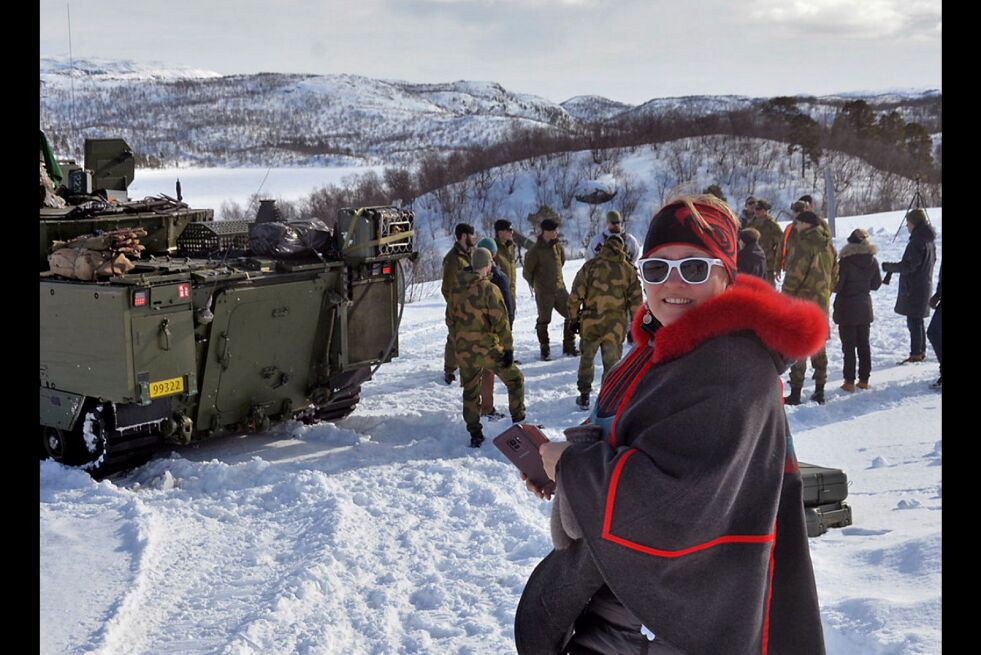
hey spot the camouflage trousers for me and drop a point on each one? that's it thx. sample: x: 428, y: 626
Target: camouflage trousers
x: 449, y: 352
x: 819, y: 361
x: 470, y: 380
x: 611, y: 352
x: 559, y: 301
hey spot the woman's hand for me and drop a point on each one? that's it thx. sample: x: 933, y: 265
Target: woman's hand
x: 551, y: 452
x: 541, y: 493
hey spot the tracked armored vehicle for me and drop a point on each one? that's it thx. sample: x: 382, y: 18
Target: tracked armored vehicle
x: 204, y: 337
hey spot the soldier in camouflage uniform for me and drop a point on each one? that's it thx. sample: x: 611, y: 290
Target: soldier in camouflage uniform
x: 503, y: 284
x: 605, y: 293
x: 506, y: 256
x: 454, y: 262
x: 803, y: 204
x: 790, y: 234
x: 543, y: 271
x: 812, y: 272
x: 771, y: 239
x: 483, y: 341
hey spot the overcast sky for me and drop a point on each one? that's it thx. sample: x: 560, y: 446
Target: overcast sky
x: 626, y: 50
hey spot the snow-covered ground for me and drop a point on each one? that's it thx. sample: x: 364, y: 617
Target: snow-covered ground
x: 384, y: 533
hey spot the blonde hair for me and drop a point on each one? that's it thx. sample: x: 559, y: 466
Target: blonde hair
x: 690, y: 201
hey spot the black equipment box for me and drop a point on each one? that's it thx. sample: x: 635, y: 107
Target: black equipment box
x: 822, y: 517
x: 823, y: 485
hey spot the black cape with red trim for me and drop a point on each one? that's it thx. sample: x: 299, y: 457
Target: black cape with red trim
x: 692, y: 511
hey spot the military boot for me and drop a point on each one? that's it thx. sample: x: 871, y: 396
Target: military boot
x: 569, y: 339
x: 794, y: 397
x: 546, y: 351
x: 583, y: 400
x: 818, y: 395
x: 476, y: 438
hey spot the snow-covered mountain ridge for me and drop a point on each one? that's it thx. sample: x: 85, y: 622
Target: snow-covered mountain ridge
x: 204, y: 118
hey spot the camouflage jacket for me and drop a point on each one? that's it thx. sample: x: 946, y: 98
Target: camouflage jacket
x: 812, y: 267
x: 480, y: 319
x: 771, y: 240
x: 607, y: 289
x: 507, y: 258
x: 453, y: 263
x: 790, y: 236
x: 543, y: 266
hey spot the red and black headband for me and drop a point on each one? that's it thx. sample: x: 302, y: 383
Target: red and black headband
x: 676, y: 224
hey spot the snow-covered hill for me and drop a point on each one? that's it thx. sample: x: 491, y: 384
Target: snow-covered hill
x: 647, y: 176
x: 202, y: 118
x: 384, y: 533
x: 271, y: 118
x: 593, y: 109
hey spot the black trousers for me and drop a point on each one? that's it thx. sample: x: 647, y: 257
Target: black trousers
x: 855, y: 338
x: 917, y: 335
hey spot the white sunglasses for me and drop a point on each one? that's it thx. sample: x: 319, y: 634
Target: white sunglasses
x: 693, y: 270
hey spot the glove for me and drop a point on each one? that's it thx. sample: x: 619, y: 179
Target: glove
x: 508, y: 360
x: 575, y: 326
x: 888, y: 278
x: 934, y: 301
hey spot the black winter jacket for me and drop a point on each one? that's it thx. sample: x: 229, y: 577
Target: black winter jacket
x: 915, y: 272
x: 751, y: 260
x: 858, y: 275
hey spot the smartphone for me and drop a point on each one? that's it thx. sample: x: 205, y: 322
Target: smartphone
x: 520, y: 443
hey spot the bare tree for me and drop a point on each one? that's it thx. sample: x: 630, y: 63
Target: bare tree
x: 631, y: 190
x: 567, y: 173
x: 541, y: 174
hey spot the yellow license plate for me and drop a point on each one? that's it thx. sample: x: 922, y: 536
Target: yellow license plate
x: 166, y: 387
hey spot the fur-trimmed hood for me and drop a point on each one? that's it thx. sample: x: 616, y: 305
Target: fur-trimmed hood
x: 794, y: 328
x: 864, y: 248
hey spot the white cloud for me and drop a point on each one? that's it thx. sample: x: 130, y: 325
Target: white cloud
x: 866, y: 19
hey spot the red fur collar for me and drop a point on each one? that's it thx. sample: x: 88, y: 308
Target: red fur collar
x: 794, y: 328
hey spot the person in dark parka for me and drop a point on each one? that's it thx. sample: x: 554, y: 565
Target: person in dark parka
x: 858, y: 275
x: 915, y: 280
x: 934, y: 329
x: 681, y: 526
x: 751, y: 259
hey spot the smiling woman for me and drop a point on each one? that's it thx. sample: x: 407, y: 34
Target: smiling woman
x: 681, y: 521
